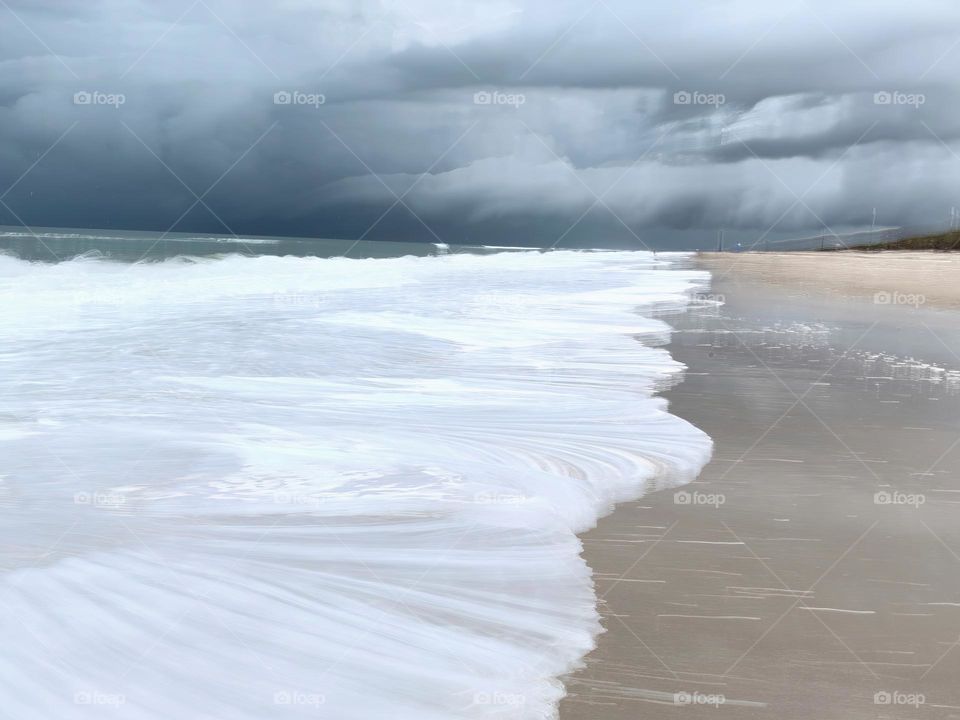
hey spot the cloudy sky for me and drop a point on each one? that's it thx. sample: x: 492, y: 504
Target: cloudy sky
x: 567, y: 122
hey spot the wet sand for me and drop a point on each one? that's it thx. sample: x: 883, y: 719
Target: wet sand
x: 813, y: 570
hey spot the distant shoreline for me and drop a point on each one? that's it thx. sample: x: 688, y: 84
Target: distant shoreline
x: 943, y: 242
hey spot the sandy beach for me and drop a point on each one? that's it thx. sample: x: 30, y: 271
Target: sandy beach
x: 851, y: 275
x: 813, y: 570
x: 360, y: 360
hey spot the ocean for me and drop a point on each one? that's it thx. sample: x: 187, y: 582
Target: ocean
x: 272, y: 484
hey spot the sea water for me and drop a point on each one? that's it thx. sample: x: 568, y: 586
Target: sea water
x: 277, y: 486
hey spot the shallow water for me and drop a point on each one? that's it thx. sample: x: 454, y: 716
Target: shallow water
x: 258, y: 487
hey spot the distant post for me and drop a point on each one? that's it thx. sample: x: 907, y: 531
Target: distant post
x: 720, y: 241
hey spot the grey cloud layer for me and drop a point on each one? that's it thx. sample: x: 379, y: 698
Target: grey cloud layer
x: 617, y: 121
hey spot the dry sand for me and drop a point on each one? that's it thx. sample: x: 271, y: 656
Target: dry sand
x: 783, y: 584
x: 856, y: 275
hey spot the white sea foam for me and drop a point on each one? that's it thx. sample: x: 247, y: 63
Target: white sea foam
x: 298, y: 487
x: 56, y: 235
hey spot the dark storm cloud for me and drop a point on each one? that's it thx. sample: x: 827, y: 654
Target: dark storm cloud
x: 509, y: 122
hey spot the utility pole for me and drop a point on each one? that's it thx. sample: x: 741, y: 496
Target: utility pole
x: 720, y: 241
